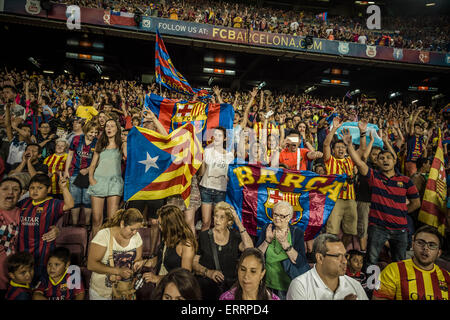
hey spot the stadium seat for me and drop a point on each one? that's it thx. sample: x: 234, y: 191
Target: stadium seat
x: 86, y: 274
x: 74, y: 239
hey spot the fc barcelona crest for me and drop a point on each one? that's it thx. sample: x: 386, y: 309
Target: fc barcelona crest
x: 371, y: 51
x: 33, y: 7
x: 398, y: 54
x: 343, y: 48
x: 275, y: 195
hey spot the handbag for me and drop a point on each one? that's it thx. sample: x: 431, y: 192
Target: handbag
x: 121, y: 290
x: 82, y: 181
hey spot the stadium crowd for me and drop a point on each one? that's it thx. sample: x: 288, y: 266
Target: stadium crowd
x: 420, y: 33
x: 63, y: 153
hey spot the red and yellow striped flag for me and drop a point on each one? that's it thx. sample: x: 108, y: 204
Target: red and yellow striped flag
x: 160, y: 166
x: 434, y: 210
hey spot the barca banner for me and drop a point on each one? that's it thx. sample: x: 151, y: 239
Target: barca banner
x: 160, y: 166
x: 434, y: 210
x: 175, y: 113
x: 253, y: 191
x: 167, y: 75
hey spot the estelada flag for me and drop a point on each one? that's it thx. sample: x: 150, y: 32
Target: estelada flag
x: 168, y: 76
x: 160, y: 166
x: 253, y: 190
x: 433, y: 211
x: 204, y: 116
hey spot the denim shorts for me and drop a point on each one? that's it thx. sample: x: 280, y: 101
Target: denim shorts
x: 80, y: 196
x: 211, y: 195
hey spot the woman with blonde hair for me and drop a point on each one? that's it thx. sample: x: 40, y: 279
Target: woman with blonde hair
x: 178, y: 245
x: 115, y: 253
x: 228, y: 243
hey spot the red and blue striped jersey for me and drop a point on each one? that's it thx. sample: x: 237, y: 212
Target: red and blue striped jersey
x: 36, y: 218
x: 18, y: 291
x: 82, y: 154
x: 414, y: 147
x: 388, y: 201
x: 58, y: 290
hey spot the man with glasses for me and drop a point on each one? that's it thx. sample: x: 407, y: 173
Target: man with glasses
x: 327, y: 280
x: 418, y: 278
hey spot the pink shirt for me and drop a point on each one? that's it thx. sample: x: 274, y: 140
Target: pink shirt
x: 229, y: 295
x: 9, y: 231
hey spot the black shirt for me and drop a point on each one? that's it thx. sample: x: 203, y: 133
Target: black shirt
x: 362, y: 189
x: 228, y: 254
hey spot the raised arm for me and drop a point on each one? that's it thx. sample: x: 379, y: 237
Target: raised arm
x: 347, y: 139
x: 329, y: 138
x: 8, y: 122
x: 247, y: 108
x: 414, y: 119
x: 367, y: 151
x: 388, y: 145
x: 217, y: 92
x: 150, y: 115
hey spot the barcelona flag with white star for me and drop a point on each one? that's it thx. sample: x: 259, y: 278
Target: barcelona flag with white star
x: 160, y: 166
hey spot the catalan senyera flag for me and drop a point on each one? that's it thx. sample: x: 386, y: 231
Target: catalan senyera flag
x: 204, y: 116
x: 167, y: 75
x: 253, y: 191
x: 160, y: 166
x: 433, y: 211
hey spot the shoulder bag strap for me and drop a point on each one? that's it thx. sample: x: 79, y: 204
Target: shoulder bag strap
x: 214, y: 250
x: 110, y: 249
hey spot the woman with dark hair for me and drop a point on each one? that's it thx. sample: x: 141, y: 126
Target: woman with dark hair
x: 251, y: 284
x: 178, y: 246
x: 178, y: 284
x: 105, y: 173
x: 306, y: 138
x: 214, y: 171
x: 115, y: 252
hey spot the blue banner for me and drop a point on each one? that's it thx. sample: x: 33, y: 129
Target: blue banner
x: 253, y: 191
x: 354, y: 131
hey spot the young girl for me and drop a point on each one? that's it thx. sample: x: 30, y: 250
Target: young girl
x: 214, y: 173
x: 105, y: 176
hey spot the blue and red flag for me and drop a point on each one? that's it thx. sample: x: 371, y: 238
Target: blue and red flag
x: 160, y: 166
x: 167, y: 75
x: 204, y: 116
x: 322, y: 16
x: 253, y: 191
x: 119, y: 18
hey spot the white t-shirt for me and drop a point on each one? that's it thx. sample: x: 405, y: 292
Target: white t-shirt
x: 294, y: 26
x: 215, y: 176
x: 123, y: 257
x: 309, y: 286
x: 362, y: 39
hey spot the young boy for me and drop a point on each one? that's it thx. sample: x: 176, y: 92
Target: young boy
x: 355, y: 263
x: 56, y: 163
x: 57, y: 285
x: 39, y: 213
x: 20, y: 271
